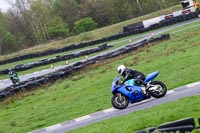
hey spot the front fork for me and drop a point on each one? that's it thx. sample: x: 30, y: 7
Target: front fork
x: 119, y: 95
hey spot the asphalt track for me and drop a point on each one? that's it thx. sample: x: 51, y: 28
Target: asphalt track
x: 172, y: 95
x: 6, y: 82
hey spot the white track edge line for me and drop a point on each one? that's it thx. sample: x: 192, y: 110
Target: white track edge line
x: 109, y: 110
x: 193, y: 84
x: 53, y: 127
x: 82, y: 118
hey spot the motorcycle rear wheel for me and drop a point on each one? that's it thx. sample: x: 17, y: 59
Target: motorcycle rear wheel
x: 119, y: 101
x: 162, y: 89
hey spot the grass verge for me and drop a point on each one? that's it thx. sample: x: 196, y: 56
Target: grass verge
x: 183, y: 108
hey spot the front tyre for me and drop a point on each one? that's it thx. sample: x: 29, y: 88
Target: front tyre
x: 160, y: 90
x: 14, y: 81
x: 119, y: 101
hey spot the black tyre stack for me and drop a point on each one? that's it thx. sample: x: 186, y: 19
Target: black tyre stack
x: 182, y: 126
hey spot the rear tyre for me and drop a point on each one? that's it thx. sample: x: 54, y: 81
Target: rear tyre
x: 119, y: 101
x: 160, y: 91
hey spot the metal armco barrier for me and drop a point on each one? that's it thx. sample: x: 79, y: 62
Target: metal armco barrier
x: 65, y: 72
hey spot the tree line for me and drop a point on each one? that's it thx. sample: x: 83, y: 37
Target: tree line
x: 28, y: 23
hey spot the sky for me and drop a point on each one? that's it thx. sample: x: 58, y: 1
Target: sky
x: 4, y: 5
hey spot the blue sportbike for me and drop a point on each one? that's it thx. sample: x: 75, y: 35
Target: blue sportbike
x: 126, y: 93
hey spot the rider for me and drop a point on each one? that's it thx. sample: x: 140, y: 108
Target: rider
x: 128, y: 74
x: 12, y: 73
x: 196, y: 5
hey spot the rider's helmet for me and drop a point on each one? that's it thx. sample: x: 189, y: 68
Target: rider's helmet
x: 10, y: 71
x: 121, y: 69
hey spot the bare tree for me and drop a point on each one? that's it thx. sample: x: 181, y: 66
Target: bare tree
x: 68, y: 10
x: 164, y: 4
x: 159, y: 3
x: 1, y: 43
x: 140, y: 7
x: 40, y: 15
x: 20, y: 10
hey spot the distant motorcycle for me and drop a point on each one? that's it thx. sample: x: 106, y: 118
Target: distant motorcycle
x: 14, y: 78
x: 125, y: 94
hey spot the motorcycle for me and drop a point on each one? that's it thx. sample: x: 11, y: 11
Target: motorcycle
x: 14, y: 78
x: 123, y: 94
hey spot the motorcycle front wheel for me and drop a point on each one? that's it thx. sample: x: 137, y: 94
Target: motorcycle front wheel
x: 14, y: 81
x: 119, y: 101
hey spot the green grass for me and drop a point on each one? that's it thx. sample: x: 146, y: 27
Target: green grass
x: 152, y: 117
x: 88, y: 91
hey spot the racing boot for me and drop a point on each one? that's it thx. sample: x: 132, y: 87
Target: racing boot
x: 144, y: 90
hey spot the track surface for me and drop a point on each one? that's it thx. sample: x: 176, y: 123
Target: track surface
x: 172, y: 95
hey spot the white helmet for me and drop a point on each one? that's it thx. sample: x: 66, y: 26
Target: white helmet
x: 121, y: 69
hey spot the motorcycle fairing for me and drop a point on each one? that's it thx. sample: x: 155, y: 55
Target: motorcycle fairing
x: 151, y: 76
x: 134, y: 93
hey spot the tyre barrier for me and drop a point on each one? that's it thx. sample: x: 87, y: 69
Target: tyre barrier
x: 182, y: 129
x: 147, y: 130
x: 68, y: 48
x: 138, y: 25
x: 198, y: 127
x: 71, y: 47
x: 23, y: 67
x: 182, y: 126
x: 199, y: 120
x: 31, y: 83
x: 139, y: 28
x: 182, y: 122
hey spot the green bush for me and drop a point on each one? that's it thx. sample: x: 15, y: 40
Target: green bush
x: 58, y: 28
x: 84, y: 25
